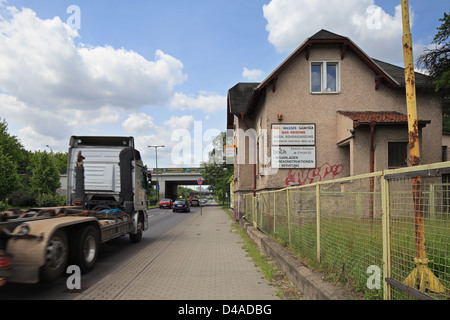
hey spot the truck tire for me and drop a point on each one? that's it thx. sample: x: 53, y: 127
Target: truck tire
x: 84, y: 248
x: 136, y: 237
x: 56, y: 255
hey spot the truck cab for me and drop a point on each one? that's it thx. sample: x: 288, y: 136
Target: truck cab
x: 114, y: 175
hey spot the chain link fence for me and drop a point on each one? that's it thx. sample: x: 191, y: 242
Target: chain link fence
x: 385, y: 234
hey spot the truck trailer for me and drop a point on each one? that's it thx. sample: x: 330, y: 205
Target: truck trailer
x: 106, y: 199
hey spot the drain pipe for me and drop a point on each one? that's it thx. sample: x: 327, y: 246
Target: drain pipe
x: 372, y: 146
x: 372, y: 166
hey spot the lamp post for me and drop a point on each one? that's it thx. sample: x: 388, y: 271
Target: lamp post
x: 51, y: 150
x: 156, y: 152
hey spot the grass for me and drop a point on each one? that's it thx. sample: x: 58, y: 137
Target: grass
x: 350, y: 246
x: 285, y: 289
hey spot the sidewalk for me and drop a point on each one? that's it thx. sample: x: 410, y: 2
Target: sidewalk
x: 200, y: 259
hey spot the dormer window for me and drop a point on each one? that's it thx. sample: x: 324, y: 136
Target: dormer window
x: 325, y: 77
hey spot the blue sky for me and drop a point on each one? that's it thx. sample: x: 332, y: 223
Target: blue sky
x: 160, y: 70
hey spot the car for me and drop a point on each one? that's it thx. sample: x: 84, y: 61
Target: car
x: 166, y: 203
x: 181, y: 205
x: 203, y: 202
x: 195, y: 202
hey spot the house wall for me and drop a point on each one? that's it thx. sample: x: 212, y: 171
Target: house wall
x: 293, y: 99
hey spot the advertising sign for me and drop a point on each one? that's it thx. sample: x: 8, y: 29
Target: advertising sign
x: 293, y: 157
x: 294, y: 134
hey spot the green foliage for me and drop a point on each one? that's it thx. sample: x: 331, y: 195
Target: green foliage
x: 60, y: 160
x: 9, y: 179
x: 184, y: 193
x: 50, y: 200
x: 24, y: 174
x: 11, y: 145
x: 446, y: 123
x: 22, y: 199
x: 217, y: 171
x: 45, y: 179
x: 4, y: 205
x: 437, y: 60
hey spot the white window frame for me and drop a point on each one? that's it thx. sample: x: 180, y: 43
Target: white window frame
x: 323, y: 79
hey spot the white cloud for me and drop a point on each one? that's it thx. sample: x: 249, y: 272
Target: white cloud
x: 138, y: 123
x: 377, y: 32
x: 40, y: 64
x: 51, y: 86
x: 252, y: 75
x: 183, y: 122
x: 39, y: 141
x: 208, y: 103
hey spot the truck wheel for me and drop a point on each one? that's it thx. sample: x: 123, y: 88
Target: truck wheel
x: 84, y: 249
x: 56, y: 255
x: 136, y: 237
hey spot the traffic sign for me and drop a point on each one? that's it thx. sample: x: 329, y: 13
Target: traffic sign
x: 200, y: 181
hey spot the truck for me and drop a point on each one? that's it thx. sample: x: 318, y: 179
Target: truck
x: 106, y: 199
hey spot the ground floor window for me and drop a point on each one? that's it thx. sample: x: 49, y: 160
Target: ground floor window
x: 397, y: 154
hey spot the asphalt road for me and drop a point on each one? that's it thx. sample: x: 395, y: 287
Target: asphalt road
x: 111, y: 254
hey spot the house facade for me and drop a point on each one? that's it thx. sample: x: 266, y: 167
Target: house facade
x: 328, y: 111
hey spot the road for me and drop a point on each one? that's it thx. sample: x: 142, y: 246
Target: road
x: 111, y: 255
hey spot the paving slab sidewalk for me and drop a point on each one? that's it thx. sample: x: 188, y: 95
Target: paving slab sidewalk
x: 200, y: 259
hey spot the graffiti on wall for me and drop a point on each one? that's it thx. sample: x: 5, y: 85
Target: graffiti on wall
x: 308, y: 176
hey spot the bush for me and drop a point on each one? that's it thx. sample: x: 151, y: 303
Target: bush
x: 50, y: 200
x: 4, y: 205
x: 21, y: 199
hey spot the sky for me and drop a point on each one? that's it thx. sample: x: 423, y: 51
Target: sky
x: 160, y: 70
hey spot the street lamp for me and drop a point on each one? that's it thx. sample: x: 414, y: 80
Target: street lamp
x: 51, y: 150
x: 156, y: 151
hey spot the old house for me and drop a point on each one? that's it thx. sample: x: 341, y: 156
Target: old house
x: 328, y: 111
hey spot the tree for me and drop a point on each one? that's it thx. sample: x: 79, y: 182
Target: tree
x: 45, y: 179
x: 9, y: 179
x: 437, y: 62
x: 60, y: 160
x: 12, y: 147
x: 217, y: 171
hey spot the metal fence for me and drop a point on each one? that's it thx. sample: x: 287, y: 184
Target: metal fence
x: 385, y: 234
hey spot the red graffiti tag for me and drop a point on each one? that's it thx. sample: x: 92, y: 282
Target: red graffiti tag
x: 308, y: 176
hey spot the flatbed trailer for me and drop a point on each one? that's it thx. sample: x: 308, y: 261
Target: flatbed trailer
x: 106, y: 199
x: 38, y: 244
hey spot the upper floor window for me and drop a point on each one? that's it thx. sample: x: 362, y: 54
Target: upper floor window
x: 325, y: 77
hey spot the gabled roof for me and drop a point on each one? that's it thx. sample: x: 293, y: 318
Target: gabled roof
x: 398, y: 73
x: 381, y: 117
x: 326, y: 37
x: 244, y: 97
x: 238, y: 102
x: 239, y: 96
